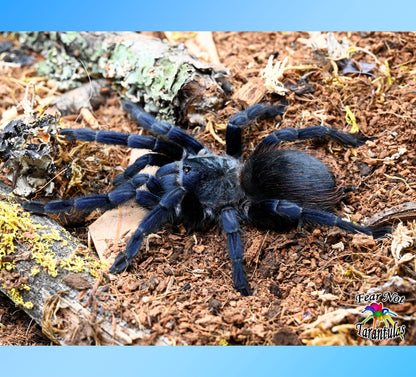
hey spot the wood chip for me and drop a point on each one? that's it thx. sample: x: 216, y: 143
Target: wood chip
x: 76, y: 282
x: 250, y: 93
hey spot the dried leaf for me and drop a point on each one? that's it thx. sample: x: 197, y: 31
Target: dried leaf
x: 326, y: 45
x: 402, y: 238
x: 329, y: 320
x: 406, y: 258
x: 77, y: 281
x: 89, y: 96
x: 351, y: 66
x: 199, y: 44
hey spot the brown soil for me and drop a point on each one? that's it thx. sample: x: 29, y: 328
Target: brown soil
x: 181, y: 285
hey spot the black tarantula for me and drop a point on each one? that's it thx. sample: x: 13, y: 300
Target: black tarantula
x: 275, y: 188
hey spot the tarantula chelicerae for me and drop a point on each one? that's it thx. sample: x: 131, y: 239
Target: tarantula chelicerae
x: 275, y: 188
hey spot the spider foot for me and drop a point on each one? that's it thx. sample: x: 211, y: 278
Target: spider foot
x: 34, y: 206
x: 240, y: 279
x: 245, y: 290
x: 381, y: 232
x: 120, y: 263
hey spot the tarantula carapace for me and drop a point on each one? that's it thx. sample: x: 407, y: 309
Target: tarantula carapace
x: 275, y: 188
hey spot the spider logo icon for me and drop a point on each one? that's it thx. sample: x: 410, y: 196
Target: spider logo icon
x: 379, y: 315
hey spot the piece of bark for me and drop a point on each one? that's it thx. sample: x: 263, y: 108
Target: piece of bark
x: 166, y: 80
x: 401, y: 212
x: 64, y: 306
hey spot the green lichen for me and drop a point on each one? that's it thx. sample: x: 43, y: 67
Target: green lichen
x: 152, y: 76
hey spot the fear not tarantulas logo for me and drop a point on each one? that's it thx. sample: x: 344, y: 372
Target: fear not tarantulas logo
x: 383, y: 325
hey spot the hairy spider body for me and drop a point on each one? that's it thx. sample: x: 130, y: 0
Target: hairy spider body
x: 213, y: 179
x: 275, y: 188
x: 292, y: 175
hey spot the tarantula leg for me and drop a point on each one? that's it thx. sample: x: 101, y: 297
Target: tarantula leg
x: 153, y: 159
x: 173, y: 133
x: 116, y: 197
x: 117, y: 138
x: 292, y: 212
x: 243, y: 119
x: 231, y: 228
x: 168, y: 176
x: 315, y: 132
x: 151, y: 223
x: 147, y: 199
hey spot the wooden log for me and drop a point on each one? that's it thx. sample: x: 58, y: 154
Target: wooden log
x: 165, y: 79
x: 52, y: 288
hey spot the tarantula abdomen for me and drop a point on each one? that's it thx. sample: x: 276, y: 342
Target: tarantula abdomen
x: 290, y: 175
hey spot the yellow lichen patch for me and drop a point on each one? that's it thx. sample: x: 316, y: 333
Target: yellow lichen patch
x: 73, y: 263
x: 14, y: 225
x: 53, y: 235
x: 95, y: 266
x: 17, y: 227
x: 80, y: 261
x: 46, y: 258
x: 18, y: 299
x: 223, y: 342
x: 34, y: 271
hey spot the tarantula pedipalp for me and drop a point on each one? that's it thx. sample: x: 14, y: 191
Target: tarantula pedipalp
x: 275, y: 188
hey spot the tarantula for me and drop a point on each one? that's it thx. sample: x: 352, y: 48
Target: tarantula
x: 275, y: 188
